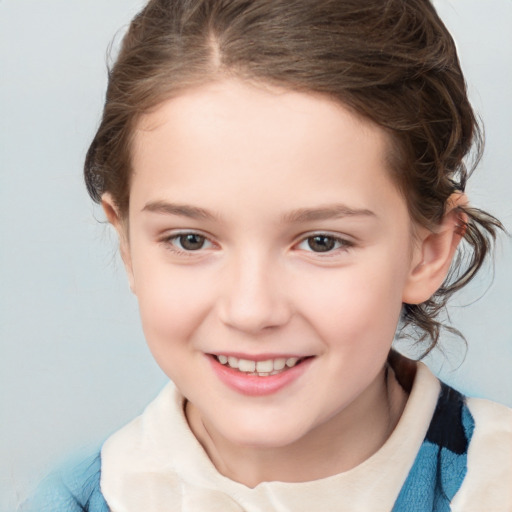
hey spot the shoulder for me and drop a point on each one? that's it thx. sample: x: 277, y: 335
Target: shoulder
x: 75, y: 488
x: 440, y: 464
x: 465, y: 461
x: 488, y: 482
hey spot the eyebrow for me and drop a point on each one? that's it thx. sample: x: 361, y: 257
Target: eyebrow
x: 182, y: 210
x: 334, y: 211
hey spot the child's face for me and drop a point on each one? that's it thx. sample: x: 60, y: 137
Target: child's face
x: 263, y: 225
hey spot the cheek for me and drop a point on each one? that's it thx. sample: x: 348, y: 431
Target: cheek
x: 362, y: 303
x: 171, y: 316
x: 173, y: 301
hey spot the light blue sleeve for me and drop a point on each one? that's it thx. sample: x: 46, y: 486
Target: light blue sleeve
x: 73, y: 489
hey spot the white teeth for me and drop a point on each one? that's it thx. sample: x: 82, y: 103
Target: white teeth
x: 261, y: 368
x: 265, y: 366
x: 244, y: 365
x: 279, y: 364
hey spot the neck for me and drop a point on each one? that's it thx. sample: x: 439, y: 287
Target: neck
x: 340, y: 444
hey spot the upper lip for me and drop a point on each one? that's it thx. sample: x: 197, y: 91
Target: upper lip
x: 259, y: 357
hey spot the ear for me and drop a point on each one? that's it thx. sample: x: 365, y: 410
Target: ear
x: 121, y: 226
x: 434, y: 252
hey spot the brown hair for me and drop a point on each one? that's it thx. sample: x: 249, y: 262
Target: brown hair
x: 391, y: 61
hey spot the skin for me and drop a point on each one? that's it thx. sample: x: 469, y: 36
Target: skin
x: 258, y: 171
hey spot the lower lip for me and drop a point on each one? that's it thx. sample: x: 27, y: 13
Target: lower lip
x: 252, y: 385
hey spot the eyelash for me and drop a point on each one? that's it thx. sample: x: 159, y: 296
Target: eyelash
x: 339, y: 244
x: 168, y: 242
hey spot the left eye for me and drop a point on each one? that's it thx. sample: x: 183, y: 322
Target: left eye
x: 190, y: 242
x: 323, y: 243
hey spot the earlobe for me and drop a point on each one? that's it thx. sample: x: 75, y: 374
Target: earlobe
x: 114, y: 218
x: 434, y: 253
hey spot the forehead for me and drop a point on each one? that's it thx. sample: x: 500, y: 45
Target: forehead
x: 244, y: 140
x: 253, y: 105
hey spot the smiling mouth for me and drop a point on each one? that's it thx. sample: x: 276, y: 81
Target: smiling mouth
x: 264, y: 368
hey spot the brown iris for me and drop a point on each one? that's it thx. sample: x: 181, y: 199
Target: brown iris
x: 321, y: 243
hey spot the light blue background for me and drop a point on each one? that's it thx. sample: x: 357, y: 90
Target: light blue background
x: 74, y: 366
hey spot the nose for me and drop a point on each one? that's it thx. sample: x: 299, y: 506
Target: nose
x: 253, y: 297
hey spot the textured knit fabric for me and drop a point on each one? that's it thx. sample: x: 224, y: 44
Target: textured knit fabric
x: 441, y: 463
x: 74, y: 489
x: 446, y: 453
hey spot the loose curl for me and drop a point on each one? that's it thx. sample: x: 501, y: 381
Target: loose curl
x: 390, y: 61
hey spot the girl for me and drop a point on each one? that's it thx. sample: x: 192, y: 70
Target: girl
x: 287, y: 182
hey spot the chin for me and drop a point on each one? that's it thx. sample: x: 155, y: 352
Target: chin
x: 270, y: 435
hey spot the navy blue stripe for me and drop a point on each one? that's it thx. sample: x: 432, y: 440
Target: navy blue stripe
x: 446, y: 429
